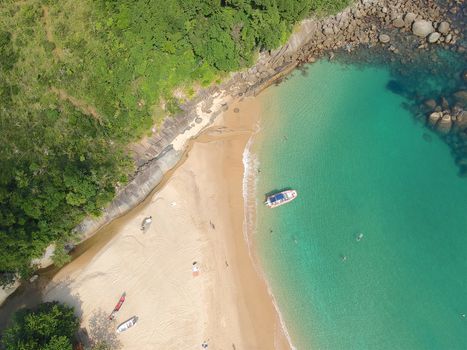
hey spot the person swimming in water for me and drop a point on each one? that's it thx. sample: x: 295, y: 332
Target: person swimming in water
x: 359, y: 237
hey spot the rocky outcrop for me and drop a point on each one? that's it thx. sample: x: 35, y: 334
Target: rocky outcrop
x: 134, y: 193
x: 422, y: 28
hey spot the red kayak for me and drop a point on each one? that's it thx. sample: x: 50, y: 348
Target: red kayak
x: 118, y: 306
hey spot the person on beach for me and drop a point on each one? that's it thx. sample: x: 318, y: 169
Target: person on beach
x: 195, y: 269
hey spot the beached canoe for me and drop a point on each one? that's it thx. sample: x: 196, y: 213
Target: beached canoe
x: 118, y: 306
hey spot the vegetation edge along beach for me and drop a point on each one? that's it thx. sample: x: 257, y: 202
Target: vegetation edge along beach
x: 157, y: 157
x: 64, y: 98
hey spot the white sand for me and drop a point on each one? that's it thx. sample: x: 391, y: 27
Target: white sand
x: 197, y: 216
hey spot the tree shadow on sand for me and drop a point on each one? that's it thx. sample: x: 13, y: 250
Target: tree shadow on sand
x: 31, y: 294
x: 102, y: 331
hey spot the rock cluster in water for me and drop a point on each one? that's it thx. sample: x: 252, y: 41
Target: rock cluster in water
x: 404, y: 29
x: 450, y: 121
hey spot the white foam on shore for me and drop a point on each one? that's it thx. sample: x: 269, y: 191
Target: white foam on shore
x: 250, y: 182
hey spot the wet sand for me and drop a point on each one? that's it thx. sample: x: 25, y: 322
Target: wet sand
x: 197, y: 217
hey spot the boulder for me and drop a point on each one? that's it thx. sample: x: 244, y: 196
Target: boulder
x: 384, y: 38
x: 422, y: 28
x: 409, y: 18
x: 398, y: 22
x: 433, y: 37
x: 434, y: 117
x: 444, y: 125
x: 443, y: 27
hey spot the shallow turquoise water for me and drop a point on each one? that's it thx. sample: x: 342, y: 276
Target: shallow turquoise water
x: 360, y: 164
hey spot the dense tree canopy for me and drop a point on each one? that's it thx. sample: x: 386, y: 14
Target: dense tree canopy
x: 80, y: 79
x: 52, y: 326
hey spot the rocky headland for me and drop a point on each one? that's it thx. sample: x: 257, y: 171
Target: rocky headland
x: 369, y: 31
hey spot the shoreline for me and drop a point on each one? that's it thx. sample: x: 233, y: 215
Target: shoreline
x: 361, y: 23
x: 229, y: 304
x: 153, y: 167
x: 364, y: 22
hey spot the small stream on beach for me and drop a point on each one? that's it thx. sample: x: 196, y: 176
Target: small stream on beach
x: 345, y: 139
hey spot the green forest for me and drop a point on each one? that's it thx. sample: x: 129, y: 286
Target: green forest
x: 51, y: 326
x: 81, y: 79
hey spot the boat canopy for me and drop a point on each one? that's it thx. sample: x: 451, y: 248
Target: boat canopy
x: 277, y: 197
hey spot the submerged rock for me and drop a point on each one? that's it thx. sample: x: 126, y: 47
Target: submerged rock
x: 461, y: 97
x: 461, y: 120
x: 422, y: 28
x: 384, y: 38
x: 430, y: 104
x: 444, y: 103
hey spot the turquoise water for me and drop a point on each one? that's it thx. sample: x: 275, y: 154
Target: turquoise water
x: 360, y: 164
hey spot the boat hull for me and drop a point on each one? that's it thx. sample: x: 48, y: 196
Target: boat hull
x: 280, y: 198
x: 127, y: 324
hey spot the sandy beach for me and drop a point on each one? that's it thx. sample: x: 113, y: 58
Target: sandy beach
x: 197, y: 217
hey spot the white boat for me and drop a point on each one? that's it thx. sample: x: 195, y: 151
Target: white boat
x: 127, y: 324
x: 280, y: 198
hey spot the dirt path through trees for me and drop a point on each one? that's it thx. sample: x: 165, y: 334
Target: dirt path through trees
x: 58, y: 52
x: 80, y: 104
